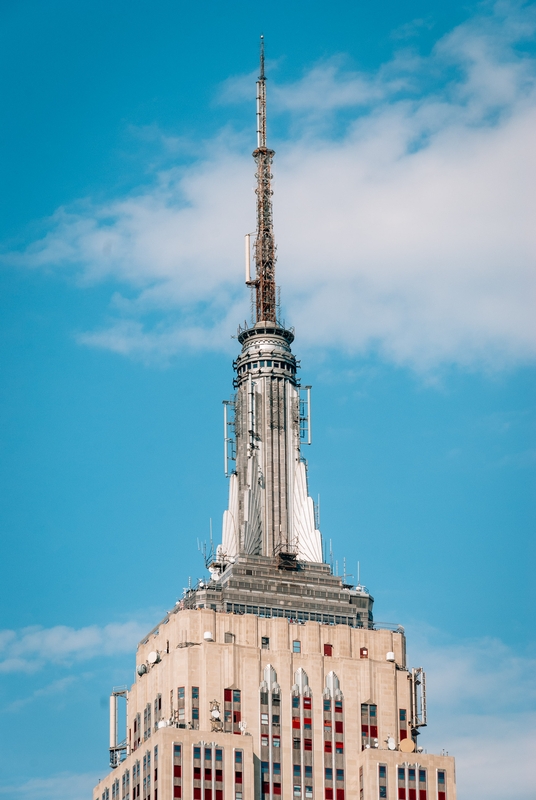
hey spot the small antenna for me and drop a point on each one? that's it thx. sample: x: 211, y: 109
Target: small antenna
x: 358, y: 574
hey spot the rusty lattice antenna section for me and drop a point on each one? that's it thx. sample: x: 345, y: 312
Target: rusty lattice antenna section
x: 264, y: 247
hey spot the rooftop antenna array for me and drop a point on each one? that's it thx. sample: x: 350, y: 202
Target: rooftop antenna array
x: 264, y: 244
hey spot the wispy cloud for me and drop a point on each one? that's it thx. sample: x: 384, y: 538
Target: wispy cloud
x: 66, y: 786
x: 404, y: 215
x: 30, y: 649
x: 481, y: 698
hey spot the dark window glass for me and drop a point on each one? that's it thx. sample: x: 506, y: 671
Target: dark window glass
x: 236, y: 695
x: 238, y: 757
x: 197, y: 752
x: 383, y: 772
x: 195, y: 692
x: 329, y: 774
x: 295, y: 702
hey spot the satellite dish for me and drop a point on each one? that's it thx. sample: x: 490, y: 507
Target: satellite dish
x: 391, y: 744
x: 153, y: 657
x: 407, y: 746
x: 390, y: 656
x: 142, y: 669
x: 208, y: 637
x: 215, y: 713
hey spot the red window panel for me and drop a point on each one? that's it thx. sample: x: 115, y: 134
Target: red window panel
x: 239, y: 733
x: 197, y: 773
x: 177, y: 791
x: 329, y: 794
x: 412, y: 794
x: 208, y: 774
x: 327, y: 746
x: 197, y: 793
x: 295, y: 723
x: 307, y: 702
x: 328, y: 649
x: 340, y: 794
x: 364, y: 730
x: 228, y: 695
x: 441, y: 796
x: 238, y: 777
x: 363, y: 652
x: 277, y: 788
x: 401, y: 794
x: 339, y: 727
x: 266, y: 788
x: 403, y: 734
x: 307, y: 721
x: 327, y: 723
x: 308, y: 744
x: 219, y: 794
x: 374, y: 731
x: 237, y: 716
x: 423, y: 794
x: 339, y: 747
x: 219, y: 775
x: 208, y: 794
x: 177, y: 771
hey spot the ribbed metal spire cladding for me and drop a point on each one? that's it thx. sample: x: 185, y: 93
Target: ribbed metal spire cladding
x: 265, y: 289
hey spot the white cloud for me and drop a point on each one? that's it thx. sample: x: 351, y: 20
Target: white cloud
x: 404, y: 215
x: 31, y: 648
x: 65, y: 786
x: 481, y: 710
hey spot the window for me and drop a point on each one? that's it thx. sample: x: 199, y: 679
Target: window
x: 307, y: 702
x: 308, y: 772
x: 236, y: 695
x: 307, y: 744
x: 297, y: 791
x: 275, y: 719
x: 195, y: 713
x: 329, y: 774
x: 197, y: 752
x: 264, y: 741
x: 276, y: 767
x: 229, y: 637
x: 363, y: 652
x: 327, y: 746
x: 328, y: 649
x: 339, y: 747
x: 340, y: 774
x: 264, y: 719
x: 180, y: 692
x: 296, y: 646
x: 441, y: 785
x: 208, y: 754
x: 296, y: 744
x: 297, y: 770
x: 295, y: 702
x: 265, y: 642
x: 238, y: 756
x: 308, y: 791
x: 195, y: 692
x: 327, y: 705
x: 276, y: 741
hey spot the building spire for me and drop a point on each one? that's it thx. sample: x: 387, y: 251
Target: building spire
x: 265, y: 294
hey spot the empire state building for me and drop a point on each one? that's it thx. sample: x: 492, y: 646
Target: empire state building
x: 270, y: 679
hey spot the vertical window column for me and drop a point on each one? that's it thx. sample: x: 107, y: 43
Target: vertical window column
x: 157, y: 710
x: 401, y: 783
x: 238, y: 774
x: 382, y: 780
x: 441, y: 785
x: 136, y: 780
x: 155, y: 773
x: 197, y: 772
x: 195, y: 708
x: 232, y: 711
x: 412, y: 784
x: 218, y: 774
x: 181, y: 712
x: 369, y: 725
x: 177, y: 770
x: 423, y: 785
x: 403, y: 723
x: 361, y: 784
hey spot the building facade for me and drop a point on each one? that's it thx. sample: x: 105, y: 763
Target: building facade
x: 270, y: 679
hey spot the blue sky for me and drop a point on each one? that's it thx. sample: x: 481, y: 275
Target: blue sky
x: 404, y: 217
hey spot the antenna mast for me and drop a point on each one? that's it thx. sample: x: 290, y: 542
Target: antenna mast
x: 265, y: 292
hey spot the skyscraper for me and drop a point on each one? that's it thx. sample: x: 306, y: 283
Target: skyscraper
x: 270, y: 678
